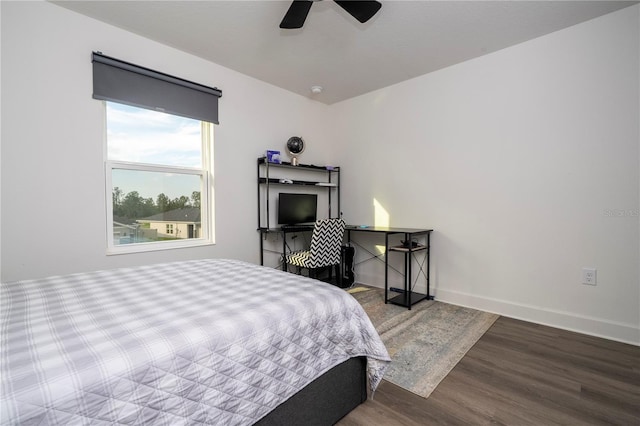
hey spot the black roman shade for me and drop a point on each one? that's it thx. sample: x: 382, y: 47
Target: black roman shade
x: 119, y: 81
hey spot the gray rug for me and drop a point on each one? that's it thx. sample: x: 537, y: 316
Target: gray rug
x: 426, y: 342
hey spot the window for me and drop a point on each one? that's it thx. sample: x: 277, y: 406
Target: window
x: 158, y: 156
x: 158, y: 180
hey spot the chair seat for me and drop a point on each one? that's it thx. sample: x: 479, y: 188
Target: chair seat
x: 301, y: 258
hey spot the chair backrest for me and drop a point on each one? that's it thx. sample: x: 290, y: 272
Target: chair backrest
x: 326, y: 241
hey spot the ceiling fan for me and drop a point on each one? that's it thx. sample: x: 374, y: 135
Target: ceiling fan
x: 362, y: 10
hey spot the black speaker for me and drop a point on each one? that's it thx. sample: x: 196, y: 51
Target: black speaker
x: 346, y: 254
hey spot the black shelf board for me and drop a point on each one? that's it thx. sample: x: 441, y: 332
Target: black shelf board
x: 404, y: 249
x: 276, y: 181
x: 408, y: 300
x: 262, y: 160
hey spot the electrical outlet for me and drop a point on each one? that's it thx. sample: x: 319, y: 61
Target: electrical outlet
x: 589, y: 276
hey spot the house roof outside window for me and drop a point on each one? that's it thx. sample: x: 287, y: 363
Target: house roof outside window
x: 186, y: 214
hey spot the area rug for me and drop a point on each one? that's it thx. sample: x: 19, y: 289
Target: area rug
x: 426, y: 342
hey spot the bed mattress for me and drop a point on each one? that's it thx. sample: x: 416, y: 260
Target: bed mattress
x: 195, y: 342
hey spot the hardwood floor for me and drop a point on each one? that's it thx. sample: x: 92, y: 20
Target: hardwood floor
x: 521, y: 373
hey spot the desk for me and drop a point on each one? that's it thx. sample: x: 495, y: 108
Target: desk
x: 408, y: 297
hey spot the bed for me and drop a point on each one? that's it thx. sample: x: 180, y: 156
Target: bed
x: 213, y: 341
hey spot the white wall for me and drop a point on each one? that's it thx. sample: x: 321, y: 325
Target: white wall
x: 52, y: 142
x: 517, y: 160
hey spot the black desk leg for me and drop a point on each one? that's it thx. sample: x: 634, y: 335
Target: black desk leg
x: 407, y: 279
x: 386, y: 267
x: 284, y: 251
x: 429, y: 296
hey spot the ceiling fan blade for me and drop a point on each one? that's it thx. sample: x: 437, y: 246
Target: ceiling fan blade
x: 361, y: 10
x: 296, y: 15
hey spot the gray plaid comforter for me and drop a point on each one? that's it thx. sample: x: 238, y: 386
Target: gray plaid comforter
x: 218, y: 342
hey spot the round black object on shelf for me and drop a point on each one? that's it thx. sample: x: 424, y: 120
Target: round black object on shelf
x: 295, y: 146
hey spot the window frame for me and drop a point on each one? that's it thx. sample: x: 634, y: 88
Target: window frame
x: 207, y: 234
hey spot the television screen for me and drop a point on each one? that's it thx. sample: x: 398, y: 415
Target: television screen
x: 297, y: 208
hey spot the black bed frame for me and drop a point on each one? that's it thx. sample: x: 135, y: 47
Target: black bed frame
x: 325, y: 400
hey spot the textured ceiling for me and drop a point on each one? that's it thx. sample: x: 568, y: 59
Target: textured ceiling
x: 404, y: 40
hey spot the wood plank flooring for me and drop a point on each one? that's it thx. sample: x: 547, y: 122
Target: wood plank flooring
x: 521, y: 373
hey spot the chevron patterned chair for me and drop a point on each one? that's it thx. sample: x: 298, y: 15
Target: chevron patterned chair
x: 324, y: 250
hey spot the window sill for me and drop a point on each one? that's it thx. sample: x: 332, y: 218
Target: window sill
x: 148, y: 247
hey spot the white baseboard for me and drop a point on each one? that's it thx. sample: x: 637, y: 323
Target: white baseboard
x: 620, y: 332
x: 626, y: 333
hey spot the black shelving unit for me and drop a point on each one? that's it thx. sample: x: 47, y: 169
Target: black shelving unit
x: 328, y: 183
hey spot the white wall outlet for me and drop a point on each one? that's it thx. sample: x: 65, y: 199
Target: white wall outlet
x: 589, y: 276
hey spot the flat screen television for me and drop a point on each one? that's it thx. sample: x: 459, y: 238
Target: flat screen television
x: 294, y: 209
